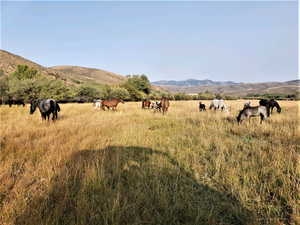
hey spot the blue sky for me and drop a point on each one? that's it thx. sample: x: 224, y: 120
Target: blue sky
x: 239, y: 41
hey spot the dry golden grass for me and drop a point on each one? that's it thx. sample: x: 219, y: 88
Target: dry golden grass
x: 138, y: 167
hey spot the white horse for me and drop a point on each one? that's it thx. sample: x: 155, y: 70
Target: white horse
x: 218, y: 104
x: 98, y: 104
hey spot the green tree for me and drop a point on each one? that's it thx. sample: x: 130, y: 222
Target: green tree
x: 24, y: 72
x: 140, y: 82
x: 24, y: 89
x: 55, y: 89
x: 135, y: 94
x: 87, y: 92
x: 2, y: 73
x: 4, y: 88
x: 120, y: 93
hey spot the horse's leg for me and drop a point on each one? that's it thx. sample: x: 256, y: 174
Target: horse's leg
x: 43, y: 116
x: 55, y: 114
x: 262, y: 117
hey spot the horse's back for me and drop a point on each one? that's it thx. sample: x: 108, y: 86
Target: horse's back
x: 48, y: 105
x: 111, y: 103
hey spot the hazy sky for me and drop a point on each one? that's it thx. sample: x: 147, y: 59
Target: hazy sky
x: 240, y: 41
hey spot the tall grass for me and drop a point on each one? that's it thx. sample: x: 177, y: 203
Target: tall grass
x: 134, y: 166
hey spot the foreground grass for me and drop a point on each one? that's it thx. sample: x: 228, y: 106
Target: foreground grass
x: 138, y: 167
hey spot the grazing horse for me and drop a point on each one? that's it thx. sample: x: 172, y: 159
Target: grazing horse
x: 164, y: 105
x: 218, y: 104
x: 15, y: 102
x: 153, y: 104
x: 156, y: 106
x: 146, y: 104
x: 97, y: 103
x: 247, y: 104
x: 113, y: 103
x: 270, y: 104
x: 252, y: 112
x: 201, y: 107
x: 46, y: 107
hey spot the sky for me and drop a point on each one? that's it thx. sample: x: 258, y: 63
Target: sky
x: 242, y: 41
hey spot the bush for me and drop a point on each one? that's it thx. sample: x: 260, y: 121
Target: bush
x: 135, y: 95
x: 140, y: 83
x: 120, y: 93
x: 88, y: 93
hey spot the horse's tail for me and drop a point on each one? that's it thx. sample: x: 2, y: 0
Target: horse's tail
x: 57, y: 107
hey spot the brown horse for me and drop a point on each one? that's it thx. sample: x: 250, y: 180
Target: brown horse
x: 164, y: 104
x: 113, y: 103
x: 146, y: 104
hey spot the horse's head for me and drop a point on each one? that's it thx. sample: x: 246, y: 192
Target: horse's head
x: 239, y: 117
x: 278, y: 109
x: 33, y: 106
x: 121, y: 100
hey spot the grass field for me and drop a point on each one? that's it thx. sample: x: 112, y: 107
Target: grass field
x: 135, y: 167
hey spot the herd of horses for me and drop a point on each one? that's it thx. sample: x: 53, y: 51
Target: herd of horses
x: 11, y: 102
x: 264, y: 110
x: 50, y: 106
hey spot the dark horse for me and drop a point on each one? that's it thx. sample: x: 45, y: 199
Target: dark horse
x: 15, y: 102
x: 146, y: 104
x: 46, y: 107
x: 201, y: 107
x: 270, y: 104
x: 113, y: 103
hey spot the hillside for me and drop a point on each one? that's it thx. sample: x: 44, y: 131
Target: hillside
x: 78, y: 73
x: 9, y: 63
x: 239, y: 89
x: 71, y: 74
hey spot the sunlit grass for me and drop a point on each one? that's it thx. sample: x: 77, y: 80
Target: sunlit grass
x: 134, y: 166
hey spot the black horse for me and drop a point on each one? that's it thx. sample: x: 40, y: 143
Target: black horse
x: 46, y: 107
x: 201, y: 107
x: 18, y: 102
x: 270, y: 104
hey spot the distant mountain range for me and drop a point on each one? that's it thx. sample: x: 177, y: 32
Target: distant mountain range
x: 192, y: 86
x: 192, y: 82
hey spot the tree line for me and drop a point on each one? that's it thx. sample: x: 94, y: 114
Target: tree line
x: 27, y: 83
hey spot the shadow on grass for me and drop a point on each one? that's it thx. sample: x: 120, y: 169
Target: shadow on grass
x: 130, y: 185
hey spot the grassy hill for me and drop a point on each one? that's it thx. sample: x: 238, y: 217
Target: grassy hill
x: 71, y: 74
x: 9, y: 63
x: 83, y: 74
